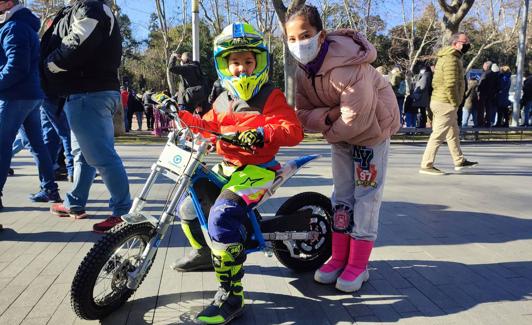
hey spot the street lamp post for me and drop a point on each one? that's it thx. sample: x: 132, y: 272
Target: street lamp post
x: 195, y: 31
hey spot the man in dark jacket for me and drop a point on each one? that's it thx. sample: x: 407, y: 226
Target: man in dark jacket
x: 421, y: 94
x: 488, y: 87
x: 526, y: 100
x: 80, y: 55
x: 148, y: 108
x: 195, y: 93
x: 21, y: 95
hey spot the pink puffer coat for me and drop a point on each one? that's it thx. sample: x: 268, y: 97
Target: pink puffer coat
x: 349, y: 86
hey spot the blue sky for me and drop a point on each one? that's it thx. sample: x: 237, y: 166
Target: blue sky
x: 139, y: 12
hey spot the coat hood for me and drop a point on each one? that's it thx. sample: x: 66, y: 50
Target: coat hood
x: 347, y: 47
x: 21, y: 14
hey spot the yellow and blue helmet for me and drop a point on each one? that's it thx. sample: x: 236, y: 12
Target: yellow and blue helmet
x: 241, y: 37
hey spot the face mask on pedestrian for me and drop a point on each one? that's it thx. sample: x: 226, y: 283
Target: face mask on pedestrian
x: 306, y: 50
x: 465, y: 48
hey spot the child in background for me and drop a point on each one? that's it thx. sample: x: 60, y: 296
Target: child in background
x: 260, y: 114
x: 341, y: 95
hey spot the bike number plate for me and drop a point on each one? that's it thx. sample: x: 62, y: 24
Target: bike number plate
x: 174, y: 158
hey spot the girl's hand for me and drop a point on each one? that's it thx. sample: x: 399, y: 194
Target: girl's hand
x: 333, y: 115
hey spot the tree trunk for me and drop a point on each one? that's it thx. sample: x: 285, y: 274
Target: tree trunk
x: 161, y: 14
x: 290, y: 65
x: 453, y: 14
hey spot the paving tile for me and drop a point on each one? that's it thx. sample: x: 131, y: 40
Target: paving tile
x: 442, y: 257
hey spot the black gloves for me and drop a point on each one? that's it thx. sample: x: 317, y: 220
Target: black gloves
x: 251, y: 138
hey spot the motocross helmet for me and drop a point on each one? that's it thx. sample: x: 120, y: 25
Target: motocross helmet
x: 241, y: 37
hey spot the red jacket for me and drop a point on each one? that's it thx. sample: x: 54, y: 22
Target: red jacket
x: 124, y: 95
x: 281, y: 126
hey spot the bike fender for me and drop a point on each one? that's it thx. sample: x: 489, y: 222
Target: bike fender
x: 136, y: 218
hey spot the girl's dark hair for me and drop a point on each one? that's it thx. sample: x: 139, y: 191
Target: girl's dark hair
x: 309, y: 12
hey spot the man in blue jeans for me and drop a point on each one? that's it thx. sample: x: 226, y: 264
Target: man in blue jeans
x: 56, y: 133
x: 21, y: 94
x: 81, y: 53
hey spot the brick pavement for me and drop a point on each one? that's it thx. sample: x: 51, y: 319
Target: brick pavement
x: 455, y: 249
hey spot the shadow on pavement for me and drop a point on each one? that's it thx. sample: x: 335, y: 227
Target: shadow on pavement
x: 403, y: 223
x: 397, y: 290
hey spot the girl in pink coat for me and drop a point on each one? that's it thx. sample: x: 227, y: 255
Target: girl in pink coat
x: 341, y: 95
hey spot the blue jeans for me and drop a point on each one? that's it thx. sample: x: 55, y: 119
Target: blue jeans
x: 21, y: 142
x: 411, y: 119
x: 90, y: 116
x: 468, y: 115
x: 56, y: 132
x: 525, y: 117
x: 13, y: 115
x: 126, y: 122
x: 139, y: 119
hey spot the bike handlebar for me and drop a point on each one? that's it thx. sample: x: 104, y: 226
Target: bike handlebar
x: 170, y: 109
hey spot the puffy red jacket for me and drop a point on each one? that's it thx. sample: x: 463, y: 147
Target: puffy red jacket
x: 268, y: 109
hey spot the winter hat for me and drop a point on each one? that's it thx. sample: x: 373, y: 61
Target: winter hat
x: 495, y: 67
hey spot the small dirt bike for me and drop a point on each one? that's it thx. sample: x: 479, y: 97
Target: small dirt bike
x: 299, y: 235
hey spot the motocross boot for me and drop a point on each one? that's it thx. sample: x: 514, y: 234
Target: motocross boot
x: 200, y: 257
x: 228, y: 302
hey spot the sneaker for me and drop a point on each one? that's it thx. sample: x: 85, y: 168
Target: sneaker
x: 46, y: 196
x: 10, y: 172
x: 431, y: 171
x: 60, y: 210
x: 107, y: 224
x: 466, y: 164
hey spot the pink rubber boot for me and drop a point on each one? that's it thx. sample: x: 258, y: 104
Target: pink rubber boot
x: 356, y: 272
x: 328, y: 272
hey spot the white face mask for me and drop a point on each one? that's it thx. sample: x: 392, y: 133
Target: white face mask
x: 305, y: 51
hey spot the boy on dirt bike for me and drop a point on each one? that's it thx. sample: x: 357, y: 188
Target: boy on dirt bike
x: 258, y: 112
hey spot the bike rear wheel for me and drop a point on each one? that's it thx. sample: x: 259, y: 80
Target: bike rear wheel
x: 99, y: 286
x: 308, y: 254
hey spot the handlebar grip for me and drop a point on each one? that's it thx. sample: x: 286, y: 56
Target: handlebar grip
x: 232, y: 139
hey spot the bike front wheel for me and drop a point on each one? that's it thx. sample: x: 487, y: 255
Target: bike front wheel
x: 99, y: 286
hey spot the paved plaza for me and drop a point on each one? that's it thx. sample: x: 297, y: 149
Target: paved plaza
x: 453, y: 249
